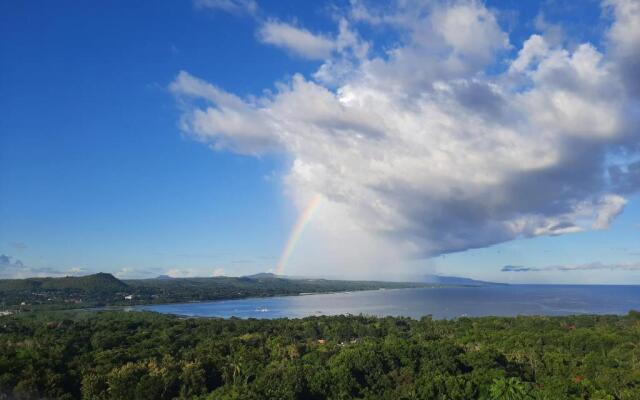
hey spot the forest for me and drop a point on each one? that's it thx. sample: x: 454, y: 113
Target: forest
x: 139, y: 355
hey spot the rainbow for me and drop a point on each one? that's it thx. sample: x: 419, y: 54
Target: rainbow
x: 296, y: 232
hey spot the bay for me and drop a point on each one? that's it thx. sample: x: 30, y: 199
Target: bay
x: 440, y: 302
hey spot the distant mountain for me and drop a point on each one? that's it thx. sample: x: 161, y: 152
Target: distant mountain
x: 96, y: 282
x: 431, y: 279
x: 265, y: 275
x: 270, y: 275
x: 455, y: 280
x: 164, y: 277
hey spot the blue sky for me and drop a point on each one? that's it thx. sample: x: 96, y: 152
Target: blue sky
x: 106, y: 166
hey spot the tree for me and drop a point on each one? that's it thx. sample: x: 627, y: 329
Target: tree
x: 94, y: 387
x: 509, y: 389
x: 194, y: 380
x: 123, y: 381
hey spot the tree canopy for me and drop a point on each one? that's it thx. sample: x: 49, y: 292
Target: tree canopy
x: 135, y: 355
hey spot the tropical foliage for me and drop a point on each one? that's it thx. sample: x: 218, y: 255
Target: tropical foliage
x: 118, y: 355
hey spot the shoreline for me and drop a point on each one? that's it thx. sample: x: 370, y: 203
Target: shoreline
x: 442, y: 303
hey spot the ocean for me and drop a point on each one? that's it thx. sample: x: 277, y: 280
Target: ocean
x: 440, y: 303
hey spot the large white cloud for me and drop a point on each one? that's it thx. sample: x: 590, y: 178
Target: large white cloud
x: 424, y: 147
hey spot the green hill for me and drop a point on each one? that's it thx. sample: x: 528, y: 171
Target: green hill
x: 100, y: 282
x: 105, y: 289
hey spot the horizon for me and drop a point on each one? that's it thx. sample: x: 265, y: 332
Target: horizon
x: 414, y: 279
x: 490, y: 140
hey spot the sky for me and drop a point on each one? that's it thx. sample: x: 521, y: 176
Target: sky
x: 496, y: 140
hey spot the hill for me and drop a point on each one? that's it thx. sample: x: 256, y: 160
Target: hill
x: 265, y: 275
x: 104, y: 289
x: 66, y: 292
x: 89, y: 283
x: 96, y: 282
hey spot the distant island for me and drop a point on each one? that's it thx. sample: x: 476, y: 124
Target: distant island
x: 455, y: 281
x: 103, y: 289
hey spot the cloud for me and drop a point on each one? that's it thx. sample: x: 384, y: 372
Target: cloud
x: 12, y: 268
x: 137, y: 273
x: 470, y: 30
x: 230, y: 6
x: 182, y: 273
x: 125, y: 272
x: 632, y: 266
x: 443, y: 141
x: 338, y: 51
x: 517, y: 268
x: 219, y: 272
x: 553, y: 33
x: 297, y: 40
x: 243, y: 261
x: 6, y: 262
x: 248, y: 125
x: 624, y: 37
x: 626, y: 178
x: 19, y: 245
x: 77, y: 270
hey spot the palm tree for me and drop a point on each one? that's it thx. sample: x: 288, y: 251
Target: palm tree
x: 509, y: 389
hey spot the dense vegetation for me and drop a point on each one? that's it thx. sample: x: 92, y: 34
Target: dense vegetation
x: 105, y: 289
x: 67, y: 291
x: 95, y: 282
x: 117, y: 355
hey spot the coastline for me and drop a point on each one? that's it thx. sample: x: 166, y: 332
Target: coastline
x: 439, y: 302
